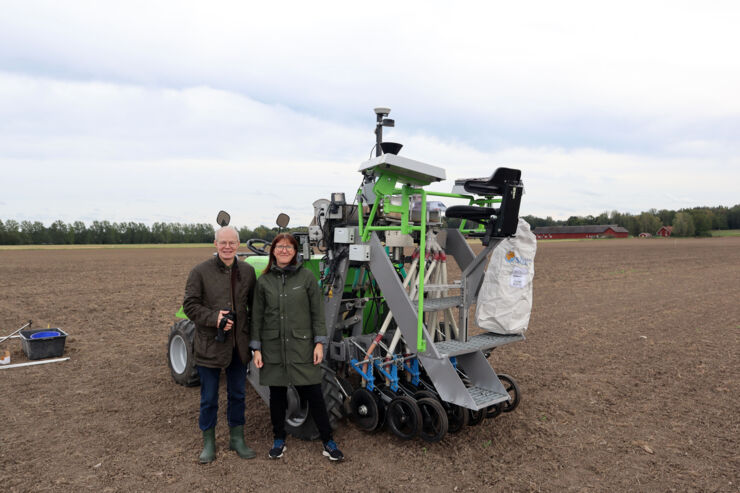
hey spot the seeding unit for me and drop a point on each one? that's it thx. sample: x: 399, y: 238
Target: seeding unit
x: 399, y: 351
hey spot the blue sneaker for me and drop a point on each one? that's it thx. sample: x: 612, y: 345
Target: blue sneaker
x: 332, y: 452
x: 278, y: 447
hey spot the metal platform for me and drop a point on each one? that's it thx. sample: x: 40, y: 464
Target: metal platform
x: 475, y: 343
x: 484, y: 397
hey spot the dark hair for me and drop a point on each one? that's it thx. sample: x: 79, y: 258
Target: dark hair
x: 275, y: 241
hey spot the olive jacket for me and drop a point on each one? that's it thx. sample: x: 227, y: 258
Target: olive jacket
x: 287, y: 323
x: 208, y: 290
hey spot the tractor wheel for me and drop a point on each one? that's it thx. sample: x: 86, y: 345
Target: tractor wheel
x: 433, y: 420
x: 513, y: 389
x: 298, y: 420
x: 404, y: 417
x: 180, y: 354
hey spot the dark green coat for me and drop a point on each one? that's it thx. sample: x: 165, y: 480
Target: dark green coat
x: 207, y: 291
x: 287, y: 322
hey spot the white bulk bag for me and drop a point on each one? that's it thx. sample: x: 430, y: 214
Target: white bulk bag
x: 505, y: 297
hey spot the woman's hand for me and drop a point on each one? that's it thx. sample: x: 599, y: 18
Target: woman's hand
x: 318, y: 353
x: 258, y: 358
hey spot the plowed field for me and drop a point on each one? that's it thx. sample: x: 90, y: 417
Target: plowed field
x: 630, y: 380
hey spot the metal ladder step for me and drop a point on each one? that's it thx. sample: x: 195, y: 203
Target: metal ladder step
x: 480, y: 342
x: 438, y: 304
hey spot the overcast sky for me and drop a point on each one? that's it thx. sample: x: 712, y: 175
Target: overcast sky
x: 169, y: 111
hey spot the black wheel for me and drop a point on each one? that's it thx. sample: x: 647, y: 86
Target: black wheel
x: 457, y: 417
x: 424, y: 394
x: 180, y: 354
x: 298, y: 420
x: 493, y: 411
x: 364, y: 406
x: 433, y: 420
x: 475, y: 417
x: 258, y: 246
x: 403, y: 417
x: 513, y: 389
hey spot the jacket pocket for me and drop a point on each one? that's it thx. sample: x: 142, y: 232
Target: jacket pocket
x: 272, y: 348
x: 301, y: 346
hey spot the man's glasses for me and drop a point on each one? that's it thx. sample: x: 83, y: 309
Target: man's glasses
x: 285, y: 248
x: 229, y: 243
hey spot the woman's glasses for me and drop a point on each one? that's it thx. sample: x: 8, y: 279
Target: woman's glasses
x: 285, y: 248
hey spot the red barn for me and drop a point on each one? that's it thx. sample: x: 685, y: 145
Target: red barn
x: 567, y: 232
x: 665, y: 231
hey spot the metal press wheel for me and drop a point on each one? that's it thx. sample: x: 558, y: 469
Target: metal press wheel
x: 457, y: 417
x: 433, y: 420
x: 493, y: 411
x: 364, y: 407
x: 403, y: 417
x: 475, y: 417
x: 513, y: 389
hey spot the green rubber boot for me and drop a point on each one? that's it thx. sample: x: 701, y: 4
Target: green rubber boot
x: 209, y: 446
x: 236, y: 442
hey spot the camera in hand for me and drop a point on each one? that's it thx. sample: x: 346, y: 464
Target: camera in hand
x: 221, y: 334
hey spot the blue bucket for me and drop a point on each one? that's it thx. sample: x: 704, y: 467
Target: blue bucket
x: 45, y: 334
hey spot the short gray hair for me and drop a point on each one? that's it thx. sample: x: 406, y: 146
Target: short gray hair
x: 232, y: 228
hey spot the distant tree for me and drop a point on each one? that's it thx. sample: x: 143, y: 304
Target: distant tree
x: 683, y: 224
x: 648, y: 223
x: 12, y: 232
x: 719, y: 217
x: 666, y: 216
x: 60, y: 234
x: 733, y: 217
x: 702, y: 221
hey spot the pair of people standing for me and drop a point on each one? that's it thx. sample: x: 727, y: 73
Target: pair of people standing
x: 288, y: 333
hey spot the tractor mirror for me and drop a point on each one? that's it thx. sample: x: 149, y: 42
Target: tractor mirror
x: 223, y: 218
x: 283, y: 220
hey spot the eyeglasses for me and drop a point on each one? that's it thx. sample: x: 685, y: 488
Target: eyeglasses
x: 285, y: 248
x: 230, y: 243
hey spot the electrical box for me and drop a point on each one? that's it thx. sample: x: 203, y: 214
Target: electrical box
x: 359, y: 253
x: 314, y: 233
x: 344, y: 235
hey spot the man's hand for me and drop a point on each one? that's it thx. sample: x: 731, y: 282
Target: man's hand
x: 258, y: 358
x: 318, y: 353
x: 229, y: 323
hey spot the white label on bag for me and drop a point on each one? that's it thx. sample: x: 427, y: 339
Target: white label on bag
x: 519, y: 278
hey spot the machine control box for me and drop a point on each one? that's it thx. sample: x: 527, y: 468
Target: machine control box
x: 359, y: 253
x: 344, y: 235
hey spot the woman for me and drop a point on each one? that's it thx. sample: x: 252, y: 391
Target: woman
x: 288, y: 333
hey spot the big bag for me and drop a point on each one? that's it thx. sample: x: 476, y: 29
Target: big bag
x: 505, y: 297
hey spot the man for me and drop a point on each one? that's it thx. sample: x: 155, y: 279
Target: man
x: 215, y: 288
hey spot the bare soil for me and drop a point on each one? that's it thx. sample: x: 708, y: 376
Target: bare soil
x: 629, y: 379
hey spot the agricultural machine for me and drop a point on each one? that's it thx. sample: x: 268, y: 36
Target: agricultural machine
x: 399, y: 352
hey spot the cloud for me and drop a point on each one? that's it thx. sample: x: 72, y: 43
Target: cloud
x: 174, y: 110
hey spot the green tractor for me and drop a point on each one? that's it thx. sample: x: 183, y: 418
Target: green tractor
x: 399, y: 353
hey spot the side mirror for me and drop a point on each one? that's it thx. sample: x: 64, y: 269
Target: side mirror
x: 223, y: 218
x: 283, y: 220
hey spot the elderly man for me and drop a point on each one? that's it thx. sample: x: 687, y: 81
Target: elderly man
x: 217, y: 290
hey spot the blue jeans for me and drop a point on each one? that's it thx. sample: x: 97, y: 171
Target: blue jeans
x: 236, y: 379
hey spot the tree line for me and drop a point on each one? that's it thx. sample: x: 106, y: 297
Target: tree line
x: 697, y: 221
x: 108, y: 233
